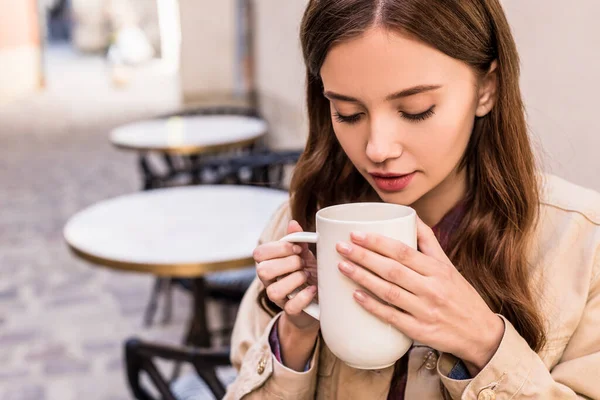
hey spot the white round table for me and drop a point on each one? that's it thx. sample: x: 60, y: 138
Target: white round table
x: 178, y: 232
x: 187, y: 135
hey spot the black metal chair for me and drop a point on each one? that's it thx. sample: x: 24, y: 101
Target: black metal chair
x: 140, y: 358
x: 264, y: 168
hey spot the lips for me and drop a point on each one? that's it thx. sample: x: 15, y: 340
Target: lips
x: 392, y: 182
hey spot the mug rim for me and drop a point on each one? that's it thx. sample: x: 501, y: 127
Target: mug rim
x: 410, y: 214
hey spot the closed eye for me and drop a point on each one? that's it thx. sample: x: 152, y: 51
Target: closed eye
x: 348, y: 119
x: 355, y: 118
x: 420, y: 116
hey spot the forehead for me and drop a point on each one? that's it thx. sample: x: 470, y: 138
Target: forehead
x: 380, y: 61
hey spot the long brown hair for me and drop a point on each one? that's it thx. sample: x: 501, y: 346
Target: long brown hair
x: 502, y: 199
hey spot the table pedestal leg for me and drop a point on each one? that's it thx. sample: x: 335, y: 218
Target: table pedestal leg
x: 198, y: 334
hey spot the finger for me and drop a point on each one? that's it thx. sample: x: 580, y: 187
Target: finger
x: 293, y: 227
x: 269, y: 270
x: 279, y: 290
x: 306, y: 254
x: 276, y: 249
x: 387, y: 268
x: 302, y: 300
x: 396, y: 250
x: 428, y: 243
x: 384, y: 290
x: 402, y: 321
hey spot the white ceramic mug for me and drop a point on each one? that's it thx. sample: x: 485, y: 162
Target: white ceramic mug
x: 354, y: 335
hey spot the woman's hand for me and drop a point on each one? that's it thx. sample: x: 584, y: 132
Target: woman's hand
x: 423, y: 295
x: 284, y: 267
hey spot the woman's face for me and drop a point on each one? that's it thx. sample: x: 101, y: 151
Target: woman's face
x: 403, y: 113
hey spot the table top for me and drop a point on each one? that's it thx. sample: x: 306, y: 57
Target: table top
x: 179, y: 232
x: 190, y: 134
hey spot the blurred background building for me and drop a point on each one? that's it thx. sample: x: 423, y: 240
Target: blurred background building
x: 72, y: 70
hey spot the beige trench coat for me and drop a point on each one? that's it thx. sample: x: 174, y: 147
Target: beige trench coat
x: 565, y: 259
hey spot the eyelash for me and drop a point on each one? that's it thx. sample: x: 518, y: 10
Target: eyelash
x: 353, y: 119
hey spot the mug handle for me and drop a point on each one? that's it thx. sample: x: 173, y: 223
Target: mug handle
x: 304, y: 237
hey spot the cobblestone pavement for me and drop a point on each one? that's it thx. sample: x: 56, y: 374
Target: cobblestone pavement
x: 63, y: 321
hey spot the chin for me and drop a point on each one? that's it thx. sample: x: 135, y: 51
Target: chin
x: 404, y: 198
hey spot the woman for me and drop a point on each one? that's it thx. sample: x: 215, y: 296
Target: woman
x: 417, y: 102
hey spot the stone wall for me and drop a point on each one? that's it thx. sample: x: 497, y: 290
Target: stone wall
x: 208, y: 48
x: 279, y: 70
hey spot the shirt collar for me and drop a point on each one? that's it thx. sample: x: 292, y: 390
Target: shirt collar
x: 444, y: 229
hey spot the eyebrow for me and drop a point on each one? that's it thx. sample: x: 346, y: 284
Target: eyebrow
x: 394, y: 96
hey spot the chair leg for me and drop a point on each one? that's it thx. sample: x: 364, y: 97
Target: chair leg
x: 168, y: 310
x: 133, y: 368
x: 141, y: 357
x: 158, y: 380
x: 194, y: 161
x: 212, y: 381
x: 153, y: 302
x: 149, y: 177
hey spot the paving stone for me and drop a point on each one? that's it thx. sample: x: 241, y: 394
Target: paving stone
x: 6, y: 355
x: 101, y: 346
x: 18, y: 337
x: 9, y: 375
x: 13, y: 306
x: 138, y: 294
x: 9, y: 293
x: 46, y: 351
x: 115, y: 364
x: 25, y: 392
x: 72, y: 300
x: 73, y: 283
x: 65, y: 366
x: 132, y: 310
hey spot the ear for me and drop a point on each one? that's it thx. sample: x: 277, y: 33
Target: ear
x: 487, y: 91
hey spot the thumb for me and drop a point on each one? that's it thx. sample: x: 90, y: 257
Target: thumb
x: 428, y: 244
x: 293, y: 227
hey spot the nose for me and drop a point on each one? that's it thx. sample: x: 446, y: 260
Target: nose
x: 383, y: 144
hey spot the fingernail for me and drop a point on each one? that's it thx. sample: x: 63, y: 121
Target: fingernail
x: 360, y: 295
x: 312, y: 289
x: 344, y: 248
x: 297, y: 249
x: 359, y: 236
x: 307, y: 272
x: 347, y: 268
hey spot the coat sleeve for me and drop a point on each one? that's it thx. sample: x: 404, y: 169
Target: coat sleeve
x: 516, y: 371
x: 260, y: 375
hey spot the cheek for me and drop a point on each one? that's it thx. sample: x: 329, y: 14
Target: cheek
x: 352, y: 140
x: 445, y: 141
